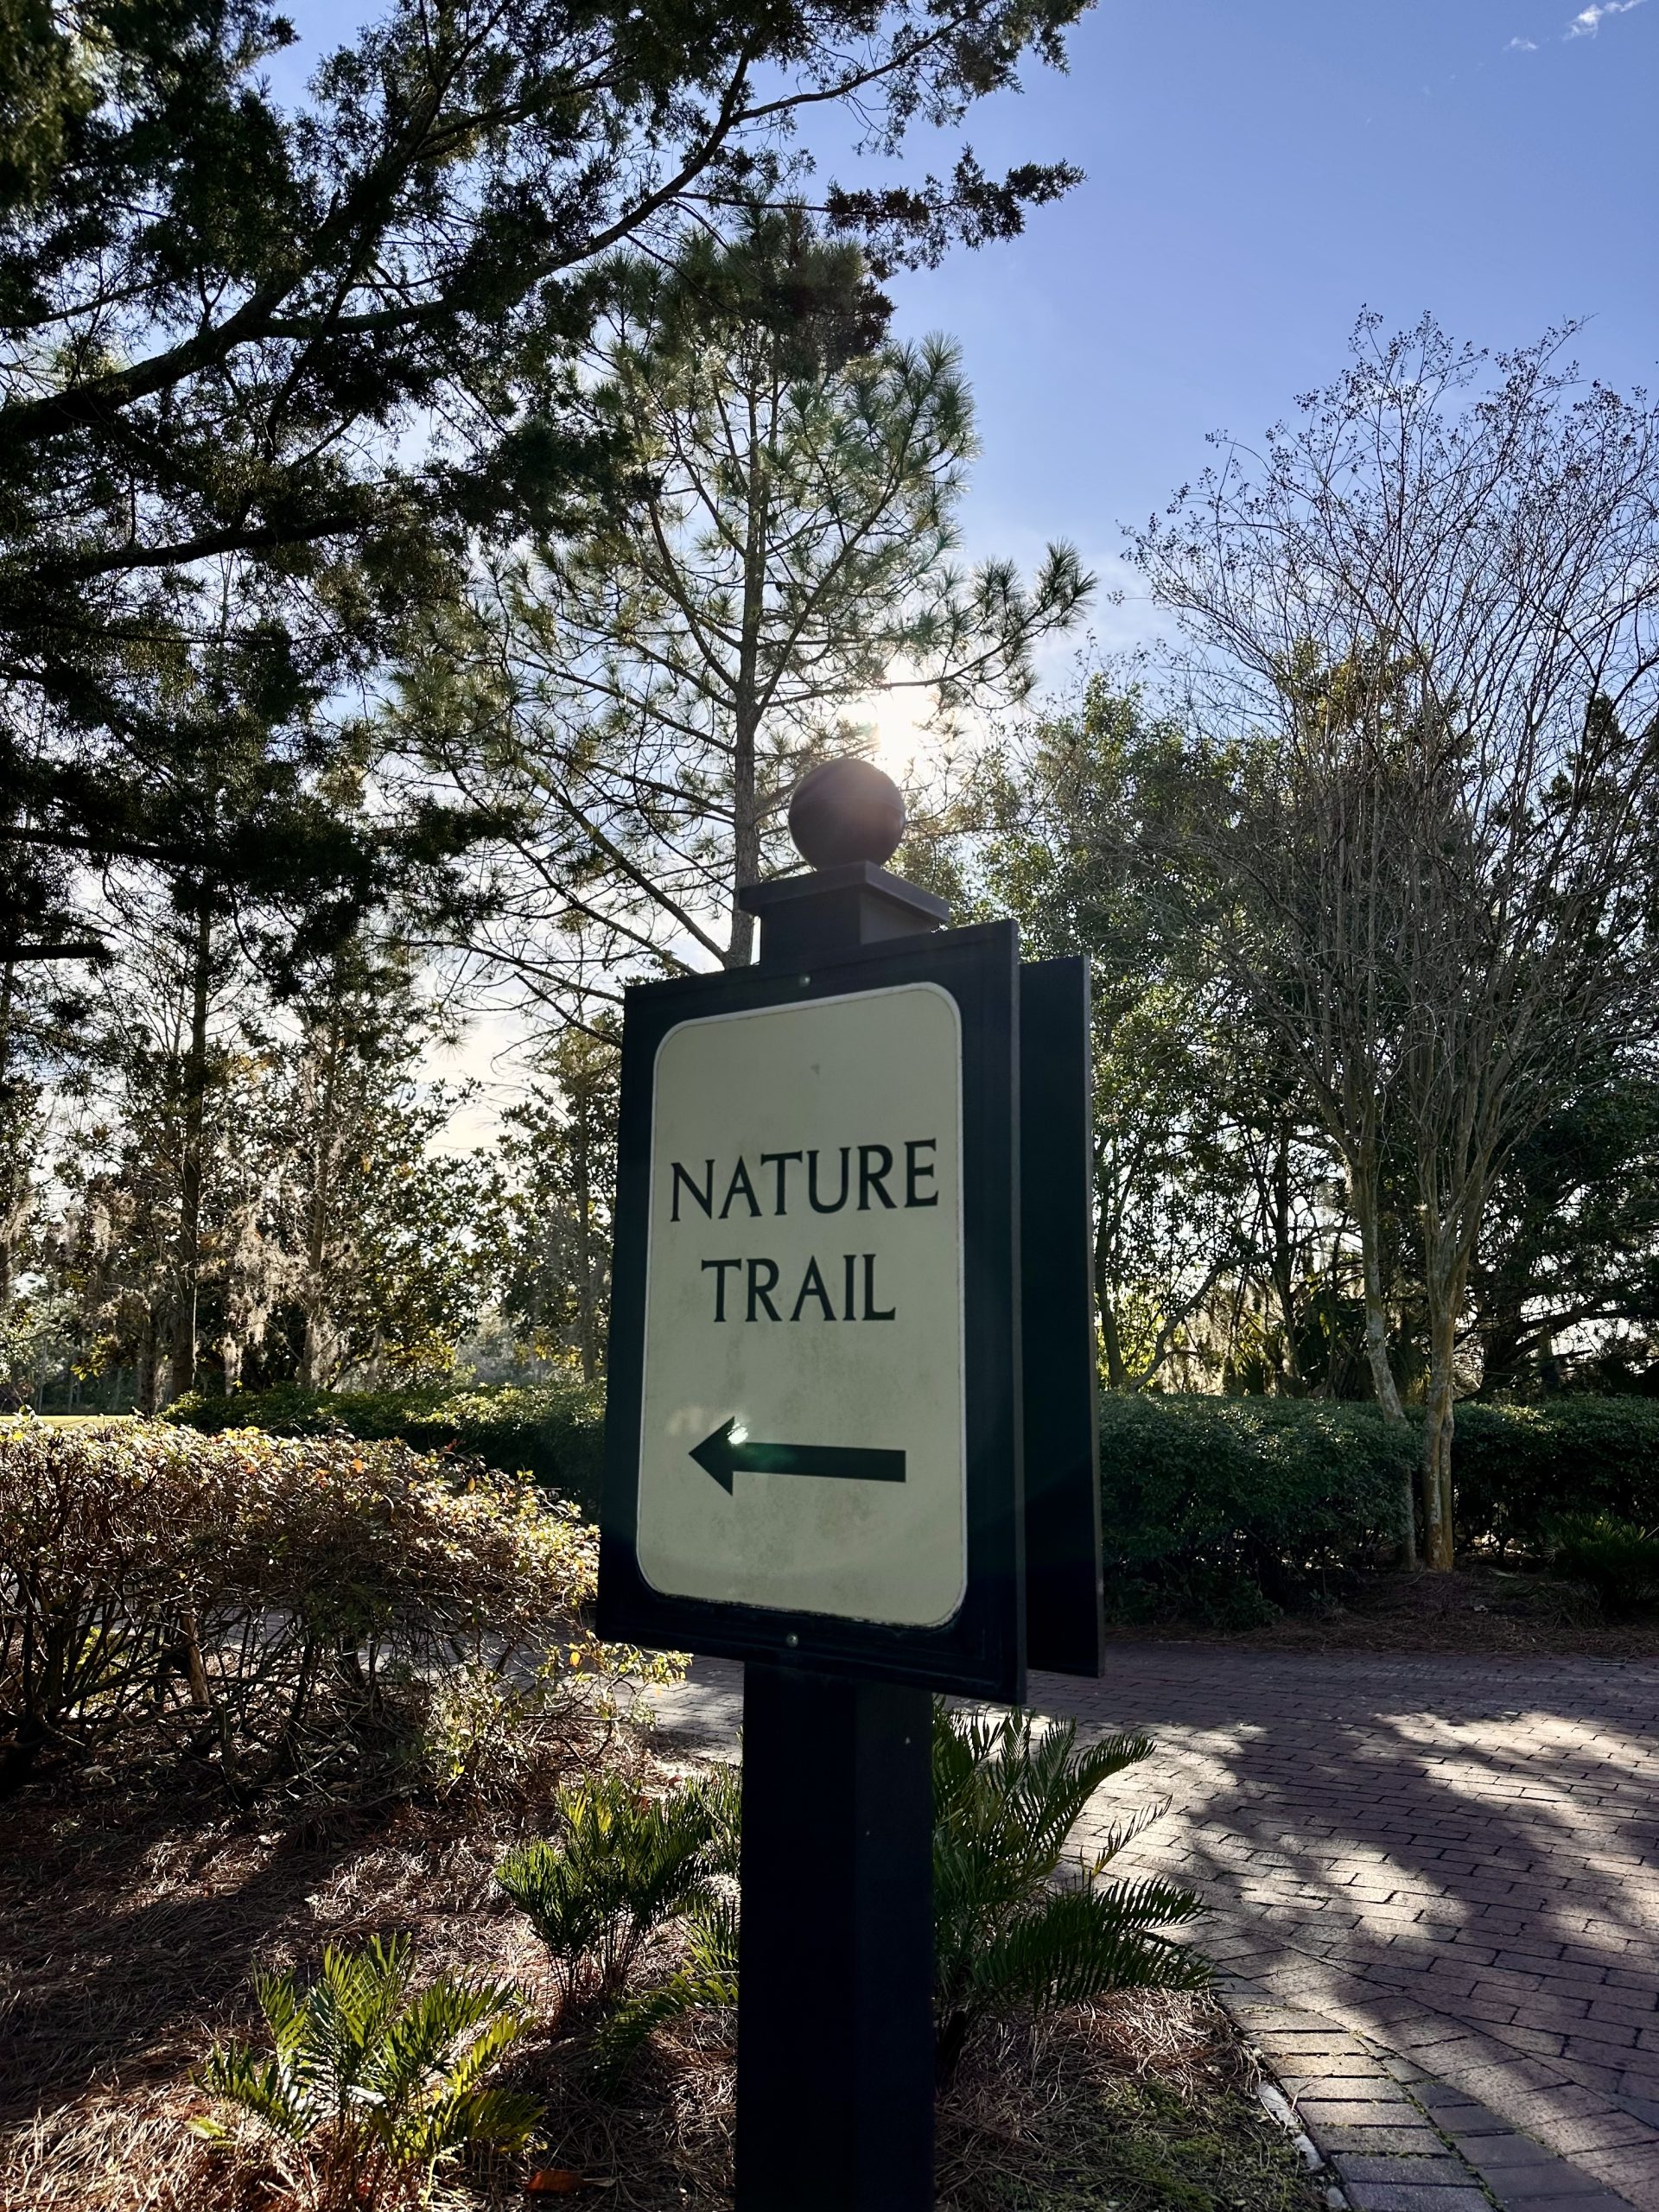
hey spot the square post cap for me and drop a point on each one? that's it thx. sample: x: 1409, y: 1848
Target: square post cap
x: 835, y: 910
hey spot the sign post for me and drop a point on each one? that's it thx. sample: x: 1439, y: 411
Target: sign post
x: 815, y: 1432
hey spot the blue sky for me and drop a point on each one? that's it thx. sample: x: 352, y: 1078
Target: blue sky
x: 1257, y: 171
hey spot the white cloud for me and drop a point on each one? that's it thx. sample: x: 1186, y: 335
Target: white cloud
x: 1522, y: 46
x: 1588, y: 21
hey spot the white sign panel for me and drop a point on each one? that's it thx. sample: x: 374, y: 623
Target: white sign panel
x: 802, y: 1441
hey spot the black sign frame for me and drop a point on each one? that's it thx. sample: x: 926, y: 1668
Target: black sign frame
x: 979, y: 1652
x: 1065, y: 1624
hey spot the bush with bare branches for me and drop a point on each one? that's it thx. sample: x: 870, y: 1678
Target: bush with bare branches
x: 292, y: 1610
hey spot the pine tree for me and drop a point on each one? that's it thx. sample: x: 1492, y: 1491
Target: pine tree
x: 229, y: 333
x: 644, y: 695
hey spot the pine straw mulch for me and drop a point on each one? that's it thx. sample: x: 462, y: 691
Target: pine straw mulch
x: 1141, y: 2103
x: 129, y: 1925
x: 1482, y: 1607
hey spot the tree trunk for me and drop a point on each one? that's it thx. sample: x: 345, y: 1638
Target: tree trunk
x: 1362, y: 1193
x: 1445, y: 1281
x: 1292, y: 1379
x: 745, y: 713
x: 1505, y: 1336
x: 147, y: 1381
x: 746, y: 833
x: 181, y: 1369
x: 12, y: 1140
x: 320, y: 1346
x: 1117, y: 1374
x: 587, y: 1300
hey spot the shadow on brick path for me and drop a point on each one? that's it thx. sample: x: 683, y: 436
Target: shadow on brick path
x: 1456, y: 1859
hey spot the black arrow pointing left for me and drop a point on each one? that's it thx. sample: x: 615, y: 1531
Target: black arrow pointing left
x: 723, y: 1456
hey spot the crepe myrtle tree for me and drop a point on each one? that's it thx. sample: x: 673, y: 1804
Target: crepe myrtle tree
x: 1423, y: 700
x: 644, y: 694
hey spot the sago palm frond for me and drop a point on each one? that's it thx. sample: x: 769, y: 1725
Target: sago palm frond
x: 264, y: 2089
x: 1010, y: 1931
x: 364, y: 2067
x: 708, y: 1977
x: 624, y: 1865
x: 430, y: 2036
x: 1076, y: 1944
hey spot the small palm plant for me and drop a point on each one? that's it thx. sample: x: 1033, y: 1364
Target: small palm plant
x: 625, y: 1865
x: 372, y: 2088
x: 1008, y: 1935
x: 706, y: 1980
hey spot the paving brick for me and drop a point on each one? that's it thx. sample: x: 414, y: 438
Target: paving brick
x: 1324, y: 2111
x: 1441, y: 2171
x: 1524, y: 2189
x: 1413, y: 2142
x: 1570, y: 2200
x: 1458, y: 1858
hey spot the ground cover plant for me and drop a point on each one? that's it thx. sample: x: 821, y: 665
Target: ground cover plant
x: 1018, y: 1930
x: 623, y: 1868
x: 1616, y: 1558
x: 180, y: 1959
x: 370, y: 2085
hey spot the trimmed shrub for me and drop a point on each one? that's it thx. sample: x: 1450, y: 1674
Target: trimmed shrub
x: 1517, y: 1468
x: 292, y: 1608
x: 552, y: 1431
x: 1223, y: 1510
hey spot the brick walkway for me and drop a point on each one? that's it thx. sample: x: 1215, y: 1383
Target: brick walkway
x: 1454, y: 1860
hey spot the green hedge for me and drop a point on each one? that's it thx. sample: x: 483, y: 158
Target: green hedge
x: 1516, y: 1468
x: 553, y: 1432
x: 1215, y: 1509
x: 1223, y: 1510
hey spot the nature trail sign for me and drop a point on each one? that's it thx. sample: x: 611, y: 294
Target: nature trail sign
x: 818, y: 1414
x: 803, y: 1309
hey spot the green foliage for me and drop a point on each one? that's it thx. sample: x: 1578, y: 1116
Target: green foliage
x: 370, y: 2086
x: 1223, y: 1508
x: 624, y: 1865
x: 1006, y: 1939
x: 1009, y: 1938
x: 236, y: 316
x: 1572, y: 1232
x: 642, y: 695
x: 290, y: 1610
x: 708, y: 1980
x: 1093, y: 773
x: 557, y: 1149
x: 1519, y: 1467
x: 1618, y: 1560
x: 553, y: 1431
